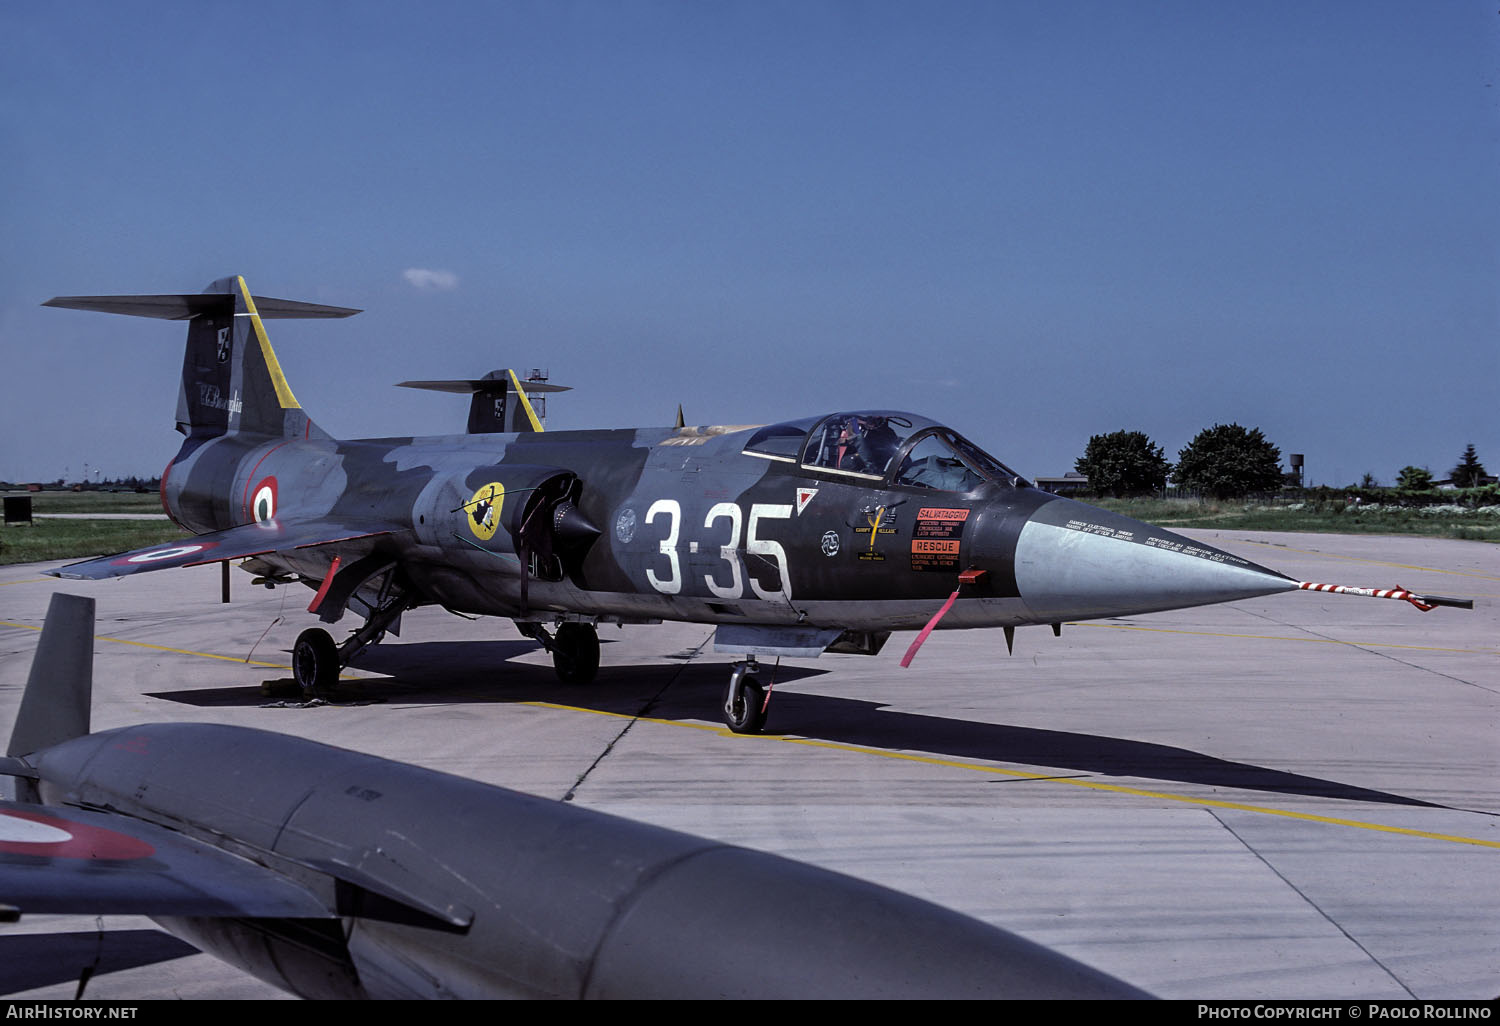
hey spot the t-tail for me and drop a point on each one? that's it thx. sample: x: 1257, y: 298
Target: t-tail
x: 502, y: 400
x: 232, y: 382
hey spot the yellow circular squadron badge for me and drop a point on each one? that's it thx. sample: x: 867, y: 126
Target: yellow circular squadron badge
x: 483, y: 510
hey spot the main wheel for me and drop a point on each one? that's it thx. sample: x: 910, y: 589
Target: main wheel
x: 315, y: 660
x: 747, y: 715
x: 575, y: 653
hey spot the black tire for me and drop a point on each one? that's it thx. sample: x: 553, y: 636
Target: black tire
x: 575, y: 653
x: 748, y: 715
x: 315, y: 660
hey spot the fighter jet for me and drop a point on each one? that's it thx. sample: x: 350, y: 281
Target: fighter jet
x: 823, y: 534
x: 333, y: 874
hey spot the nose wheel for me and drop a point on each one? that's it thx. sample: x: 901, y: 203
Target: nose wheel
x: 745, y: 700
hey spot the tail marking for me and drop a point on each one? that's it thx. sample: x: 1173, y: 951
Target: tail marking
x: 278, y: 379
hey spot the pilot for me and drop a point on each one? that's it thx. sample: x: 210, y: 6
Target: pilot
x: 845, y: 449
x: 876, y: 445
x: 863, y: 445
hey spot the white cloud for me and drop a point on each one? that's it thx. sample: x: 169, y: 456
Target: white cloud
x: 426, y: 278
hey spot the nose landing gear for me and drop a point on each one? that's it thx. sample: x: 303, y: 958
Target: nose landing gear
x: 745, y: 701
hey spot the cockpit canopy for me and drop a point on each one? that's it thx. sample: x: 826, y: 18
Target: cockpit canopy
x: 883, y: 445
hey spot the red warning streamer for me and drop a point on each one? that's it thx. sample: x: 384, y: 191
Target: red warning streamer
x: 971, y: 577
x: 911, y: 653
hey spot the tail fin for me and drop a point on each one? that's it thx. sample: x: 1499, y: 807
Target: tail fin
x: 55, y: 705
x: 500, y: 400
x: 231, y: 379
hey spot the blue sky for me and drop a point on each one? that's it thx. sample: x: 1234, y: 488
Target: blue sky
x: 1035, y: 221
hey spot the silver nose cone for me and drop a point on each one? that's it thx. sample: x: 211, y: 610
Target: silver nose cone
x: 1076, y: 562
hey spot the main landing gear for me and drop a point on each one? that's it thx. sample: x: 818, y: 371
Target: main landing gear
x: 317, y: 659
x: 574, y: 648
x: 745, y: 700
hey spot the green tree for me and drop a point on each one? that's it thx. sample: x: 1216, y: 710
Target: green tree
x: 1469, y: 473
x: 1124, y: 463
x: 1228, y: 462
x: 1414, y: 479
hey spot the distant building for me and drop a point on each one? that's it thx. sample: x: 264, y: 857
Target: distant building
x: 1071, y: 483
x: 1447, y: 485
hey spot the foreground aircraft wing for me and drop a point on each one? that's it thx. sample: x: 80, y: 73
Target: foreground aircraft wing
x: 234, y: 543
x: 70, y: 860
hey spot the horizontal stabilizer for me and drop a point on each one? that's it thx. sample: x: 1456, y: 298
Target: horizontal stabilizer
x: 182, y: 308
x: 234, y: 543
x: 464, y: 386
x: 500, y: 402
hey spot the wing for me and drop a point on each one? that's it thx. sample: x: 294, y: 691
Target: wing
x: 68, y: 860
x: 234, y: 543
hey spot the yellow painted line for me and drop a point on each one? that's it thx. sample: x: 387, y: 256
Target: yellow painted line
x: 1375, y: 562
x: 1050, y: 778
x: 283, y: 390
x: 160, y: 648
x: 536, y: 425
x: 29, y: 580
x: 188, y: 651
x: 1143, y: 793
x: 1277, y: 637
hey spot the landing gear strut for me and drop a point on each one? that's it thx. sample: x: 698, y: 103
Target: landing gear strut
x: 574, y: 648
x: 316, y: 660
x: 745, y: 700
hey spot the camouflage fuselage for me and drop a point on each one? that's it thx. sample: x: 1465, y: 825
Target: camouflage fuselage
x: 690, y: 528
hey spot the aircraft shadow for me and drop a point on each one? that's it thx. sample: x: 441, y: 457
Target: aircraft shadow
x: 467, y: 672
x: 433, y: 669
x: 29, y: 961
x: 856, y: 722
x: 868, y: 724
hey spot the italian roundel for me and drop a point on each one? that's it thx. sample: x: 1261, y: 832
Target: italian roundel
x: 263, y: 501
x: 166, y: 554
x: 28, y: 832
